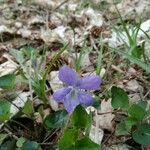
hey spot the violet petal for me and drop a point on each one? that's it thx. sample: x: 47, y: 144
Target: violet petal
x: 67, y: 75
x: 60, y: 94
x: 71, y: 101
x: 89, y: 82
x: 85, y: 99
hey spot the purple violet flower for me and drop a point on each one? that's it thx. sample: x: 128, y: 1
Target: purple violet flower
x: 74, y: 92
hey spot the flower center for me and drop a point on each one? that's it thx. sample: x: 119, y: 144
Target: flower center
x: 73, y: 93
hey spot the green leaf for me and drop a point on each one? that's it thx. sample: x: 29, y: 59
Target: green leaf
x: 2, y: 137
x: 4, y: 110
x: 56, y: 119
x: 125, y: 126
x: 39, y: 87
x: 143, y: 104
x: 86, y: 144
x: 142, y: 134
x: 29, y: 51
x: 8, y: 145
x: 31, y: 145
x: 96, y: 102
x: 7, y: 81
x: 20, y: 142
x: 147, y: 113
x: 130, y: 121
x: 119, y: 98
x: 80, y: 118
x: 67, y: 141
x: 137, y: 51
x: 41, y: 110
x: 28, y: 108
x: 137, y: 112
x: 122, y: 129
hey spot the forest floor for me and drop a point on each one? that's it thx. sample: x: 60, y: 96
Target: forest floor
x: 92, y: 29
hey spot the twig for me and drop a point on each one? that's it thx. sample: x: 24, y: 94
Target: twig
x: 12, y: 103
x: 117, y: 69
x: 10, y: 133
x: 147, y: 94
x: 30, y: 80
x: 20, y: 124
x: 116, y: 111
x: 46, y: 144
x: 57, y: 7
x: 50, y: 135
x: 107, y: 138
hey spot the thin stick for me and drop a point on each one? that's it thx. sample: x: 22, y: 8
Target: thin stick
x: 57, y: 7
x: 30, y: 80
x: 10, y: 133
x: 116, y: 111
x: 46, y: 144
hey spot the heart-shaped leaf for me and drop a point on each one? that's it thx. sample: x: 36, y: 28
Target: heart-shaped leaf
x: 119, y: 98
x: 86, y: 144
x: 142, y: 134
x: 56, y: 119
x: 80, y: 118
x: 31, y: 145
x: 137, y: 112
x: 67, y: 142
x: 4, y: 110
x: 7, y: 81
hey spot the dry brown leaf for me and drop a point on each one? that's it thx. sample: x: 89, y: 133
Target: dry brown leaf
x: 53, y: 104
x: 24, y: 32
x: 96, y: 134
x: 105, y: 120
x: 54, y: 81
x: 7, y: 67
x: 117, y: 147
x: 19, y: 102
x: 133, y: 85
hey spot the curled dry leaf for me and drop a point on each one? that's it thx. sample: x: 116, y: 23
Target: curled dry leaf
x: 93, y: 17
x: 135, y: 97
x: 133, y: 85
x: 18, y: 25
x: 24, y: 32
x: 117, y: 147
x: 145, y: 26
x: 105, y: 120
x: 11, y: 67
x: 54, y: 81
x: 117, y: 39
x: 96, y: 134
x: 57, y: 19
x: 53, y: 104
x: 19, y: 102
x: 55, y: 35
x: 72, y: 7
x: 131, y: 72
x: 4, y: 29
x: 147, y: 49
x: 36, y: 20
